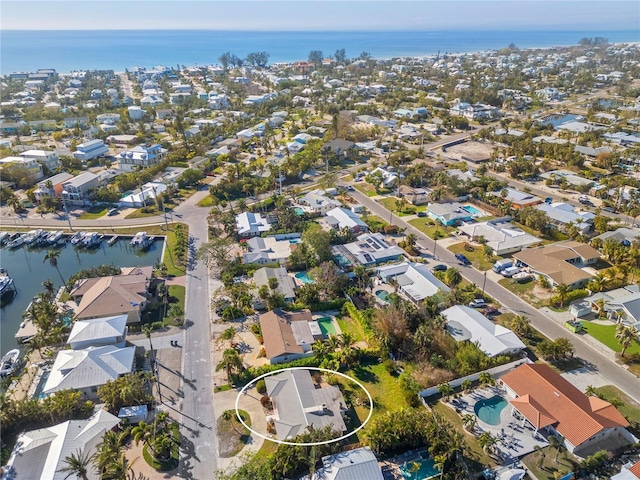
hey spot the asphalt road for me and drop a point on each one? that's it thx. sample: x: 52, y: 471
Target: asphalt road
x: 605, y: 365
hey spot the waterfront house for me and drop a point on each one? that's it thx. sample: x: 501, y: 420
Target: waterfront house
x: 466, y: 324
x: 56, y: 182
x: 97, y: 332
x: 90, y: 150
x: 76, y: 189
x: 271, y: 249
x: 286, y: 285
x: 298, y: 403
x: 124, y: 294
x: 339, y: 218
x: 87, y: 369
x: 501, y: 235
x: 143, y: 196
x: 41, y: 454
x: 353, y: 464
x: 548, y: 401
x: 561, y: 262
x: 449, y: 213
x: 287, y: 335
x: 249, y: 224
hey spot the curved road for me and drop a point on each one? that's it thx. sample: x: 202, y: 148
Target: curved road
x: 617, y: 375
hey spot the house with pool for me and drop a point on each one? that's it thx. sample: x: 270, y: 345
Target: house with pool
x: 414, y: 280
x: 288, y: 336
x: 369, y: 249
x: 285, y: 283
x: 548, y: 402
x: 449, y: 213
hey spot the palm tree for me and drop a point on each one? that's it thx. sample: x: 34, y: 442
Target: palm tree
x: 146, y: 328
x: 452, y: 277
x: 469, y: 421
x: 445, y: 390
x: 120, y: 469
x: 52, y: 256
x: 411, y: 240
x: 320, y: 349
x: 562, y: 289
x: 487, y: 441
x: 466, y: 385
x: 520, y: 325
x: 49, y: 289
x: 626, y: 336
x: 486, y: 379
x: 77, y: 464
x: 347, y: 339
x: 230, y: 361
x: 557, y: 442
x: 109, y: 450
x: 590, y: 391
x: 599, y: 282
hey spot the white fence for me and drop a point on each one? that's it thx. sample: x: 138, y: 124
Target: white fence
x: 495, y: 371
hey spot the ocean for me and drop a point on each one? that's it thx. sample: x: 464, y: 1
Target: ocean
x: 67, y: 51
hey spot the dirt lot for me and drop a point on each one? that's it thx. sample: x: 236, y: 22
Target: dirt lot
x: 470, y: 151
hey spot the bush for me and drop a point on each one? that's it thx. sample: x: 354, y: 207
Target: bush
x: 266, y: 402
x: 391, y: 229
x: 261, y: 386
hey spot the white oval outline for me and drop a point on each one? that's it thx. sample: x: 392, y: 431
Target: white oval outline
x: 301, y: 444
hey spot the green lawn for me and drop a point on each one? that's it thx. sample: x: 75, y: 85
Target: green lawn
x: 140, y: 213
x: 476, y: 458
x: 351, y: 327
x: 390, y: 204
x: 476, y: 255
x: 524, y: 291
x: 366, y: 188
x: 206, y: 201
x: 429, y: 227
x: 546, y: 470
x: 174, y: 269
x: 629, y: 408
x: 93, y: 213
x: 375, y: 223
x: 607, y: 334
x: 176, y: 297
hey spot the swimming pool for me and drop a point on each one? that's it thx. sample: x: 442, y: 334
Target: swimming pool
x: 473, y: 210
x: 295, y: 240
x: 426, y: 469
x: 342, y: 260
x: 303, y: 277
x: 326, y: 326
x: 489, y: 410
x: 383, y: 295
x: 298, y: 211
x: 41, y: 383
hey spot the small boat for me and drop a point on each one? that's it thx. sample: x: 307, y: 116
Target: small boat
x: 16, y: 242
x: 9, y: 362
x: 6, y: 282
x: 141, y: 240
x: 91, y: 239
x: 112, y: 240
x: 4, y: 237
x: 77, y: 238
x: 522, y: 277
x: 56, y: 237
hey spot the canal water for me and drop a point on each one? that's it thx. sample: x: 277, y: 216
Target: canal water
x: 26, y: 267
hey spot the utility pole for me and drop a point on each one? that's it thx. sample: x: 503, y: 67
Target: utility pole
x: 66, y: 210
x: 435, y: 241
x: 484, y: 282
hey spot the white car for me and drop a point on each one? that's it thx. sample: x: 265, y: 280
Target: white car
x: 477, y: 303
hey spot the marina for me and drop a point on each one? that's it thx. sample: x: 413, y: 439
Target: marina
x: 28, y: 270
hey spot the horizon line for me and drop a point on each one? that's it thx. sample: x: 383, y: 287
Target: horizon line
x: 352, y: 30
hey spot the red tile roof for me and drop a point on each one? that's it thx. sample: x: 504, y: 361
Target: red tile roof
x: 546, y: 395
x: 635, y: 469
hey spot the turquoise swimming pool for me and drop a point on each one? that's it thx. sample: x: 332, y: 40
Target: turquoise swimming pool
x: 383, y: 295
x: 298, y: 211
x: 489, y: 410
x: 426, y: 469
x: 40, y: 387
x: 473, y: 210
x: 303, y: 277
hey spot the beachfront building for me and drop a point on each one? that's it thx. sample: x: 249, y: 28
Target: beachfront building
x: 561, y: 262
x: 76, y: 190
x: 141, y: 156
x: 414, y: 280
x: 549, y: 402
x: 466, y: 324
x: 90, y: 150
x: 500, y: 234
x: 299, y: 403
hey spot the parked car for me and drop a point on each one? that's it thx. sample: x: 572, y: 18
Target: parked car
x: 488, y: 311
x: 112, y: 212
x: 350, y: 188
x: 477, y: 303
x: 440, y: 268
x: 422, y: 214
x: 462, y: 259
x: 548, y: 200
x: 609, y: 209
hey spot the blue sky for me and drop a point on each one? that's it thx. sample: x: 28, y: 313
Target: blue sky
x: 297, y: 15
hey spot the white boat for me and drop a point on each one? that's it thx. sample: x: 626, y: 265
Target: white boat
x: 9, y: 362
x: 91, y: 239
x: 77, y: 238
x: 33, y: 236
x: 4, y: 237
x: 55, y: 238
x: 522, y: 276
x: 140, y: 240
x: 6, y: 282
x: 16, y: 242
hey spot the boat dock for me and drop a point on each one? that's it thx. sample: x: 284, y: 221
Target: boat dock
x: 26, y: 332
x: 113, y: 240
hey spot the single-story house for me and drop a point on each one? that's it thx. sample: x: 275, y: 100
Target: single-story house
x: 286, y: 285
x: 339, y: 147
x: 271, y: 249
x: 560, y: 263
x: 415, y: 196
x: 141, y: 197
x: 339, y: 218
x: 41, y: 454
x: 622, y: 235
x: 548, y: 401
x: 298, y: 404
x: 370, y: 249
x: 86, y: 370
x: 517, y: 198
x: 621, y: 305
x: 359, y: 463
x: 251, y: 224
x: 413, y: 279
x: 124, y: 294
x: 569, y: 176
x: 466, y: 324
x: 501, y: 235
x: 96, y: 332
x: 287, y: 335
x: 389, y: 178
x: 562, y: 214
x: 448, y: 214
x: 318, y: 202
